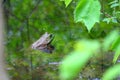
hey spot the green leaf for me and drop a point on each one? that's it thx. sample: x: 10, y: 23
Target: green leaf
x: 116, y: 43
x: 114, y: 5
x: 112, y: 42
x: 74, y: 62
x: 67, y: 2
x: 117, y: 54
x: 109, y: 40
x: 112, y: 72
x: 88, y: 12
x: 87, y: 45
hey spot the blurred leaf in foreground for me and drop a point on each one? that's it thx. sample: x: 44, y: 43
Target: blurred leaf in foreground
x: 74, y: 62
x: 112, y: 73
x: 117, y: 53
x: 109, y: 40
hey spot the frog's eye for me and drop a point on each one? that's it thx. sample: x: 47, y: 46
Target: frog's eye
x: 51, y: 35
x: 51, y: 38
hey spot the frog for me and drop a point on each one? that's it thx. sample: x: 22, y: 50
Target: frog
x: 44, y: 43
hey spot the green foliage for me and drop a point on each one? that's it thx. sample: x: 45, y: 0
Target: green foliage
x: 74, y: 62
x: 114, y: 15
x: 112, y: 42
x: 117, y: 54
x: 88, y: 12
x: 27, y: 20
x: 112, y: 73
x: 111, y: 38
x: 67, y: 2
x: 114, y: 4
x: 84, y: 49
